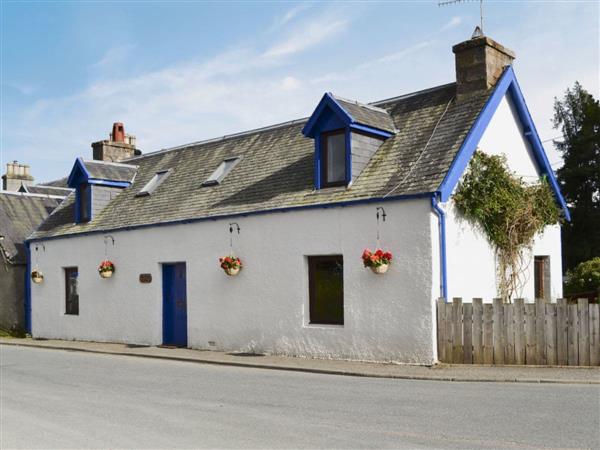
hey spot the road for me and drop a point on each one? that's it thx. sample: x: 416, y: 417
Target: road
x: 60, y: 399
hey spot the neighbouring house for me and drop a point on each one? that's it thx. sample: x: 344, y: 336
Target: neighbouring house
x: 23, y: 206
x: 297, y: 202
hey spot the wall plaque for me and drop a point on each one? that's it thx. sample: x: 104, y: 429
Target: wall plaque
x: 145, y: 278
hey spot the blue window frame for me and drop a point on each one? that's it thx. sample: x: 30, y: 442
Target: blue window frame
x: 84, y: 203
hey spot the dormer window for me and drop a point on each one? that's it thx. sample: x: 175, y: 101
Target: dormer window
x: 346, y: 135
x: 84, y: 204
x: 333, y: 159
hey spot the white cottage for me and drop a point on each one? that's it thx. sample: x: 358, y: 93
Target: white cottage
x: 297, y: 202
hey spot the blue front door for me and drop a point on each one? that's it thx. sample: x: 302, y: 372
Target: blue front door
x: 174, y: 305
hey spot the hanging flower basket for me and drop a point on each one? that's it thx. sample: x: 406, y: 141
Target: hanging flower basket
x: 231, y: 265
x: 378, y: 261
x: 106, y: 269
x: 37, y: 277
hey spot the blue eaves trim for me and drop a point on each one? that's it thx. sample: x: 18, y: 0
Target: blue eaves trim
x: 506, y: 84
x: 111, y: 183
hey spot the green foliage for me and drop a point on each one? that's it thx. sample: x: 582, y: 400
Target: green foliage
x: 577, y: 115
x: 509, y: 211
x: 584, y: 278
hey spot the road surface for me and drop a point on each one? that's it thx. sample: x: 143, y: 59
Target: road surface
x: 60, y: 399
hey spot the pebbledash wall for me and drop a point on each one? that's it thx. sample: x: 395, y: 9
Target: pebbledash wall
x: 265, y: 308
x: 471, y: 260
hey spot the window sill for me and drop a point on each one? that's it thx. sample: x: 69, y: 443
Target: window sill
x: 324, y: 326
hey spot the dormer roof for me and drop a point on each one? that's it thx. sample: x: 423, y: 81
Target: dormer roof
x: 101, y: 172
x: 336, y: 112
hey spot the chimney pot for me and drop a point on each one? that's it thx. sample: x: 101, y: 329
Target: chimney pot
x: 118, y: 132
x: 120, y: 146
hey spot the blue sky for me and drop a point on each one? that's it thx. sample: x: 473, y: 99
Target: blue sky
x: 179, y: 72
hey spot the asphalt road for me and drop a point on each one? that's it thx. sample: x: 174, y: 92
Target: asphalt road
x: 59, y: 399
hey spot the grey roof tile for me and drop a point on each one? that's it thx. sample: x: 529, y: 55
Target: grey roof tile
x: 370, y: 115
x: 110, y: 171
x: 277, y: 168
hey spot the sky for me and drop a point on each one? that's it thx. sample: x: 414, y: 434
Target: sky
x: 180, y: 72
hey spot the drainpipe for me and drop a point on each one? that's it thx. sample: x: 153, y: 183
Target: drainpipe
x: 27, y: 304
x: 439, y: 212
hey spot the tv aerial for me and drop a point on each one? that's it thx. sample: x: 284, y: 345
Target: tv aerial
x: 478, y: 30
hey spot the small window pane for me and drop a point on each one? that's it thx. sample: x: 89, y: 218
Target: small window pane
x: 71, y: 291
x: 151, y: 186
x: 326, y: 279
x: 221, y: 172
x: 336, y: 158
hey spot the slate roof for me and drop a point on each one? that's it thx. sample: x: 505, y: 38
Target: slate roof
x: 110, y: 171
x: 277, y: 168
x: 367, y: 114
x: 48, y: 190
x: 20, y: 215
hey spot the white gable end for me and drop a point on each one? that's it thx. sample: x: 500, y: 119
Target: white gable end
x: 504, y: 136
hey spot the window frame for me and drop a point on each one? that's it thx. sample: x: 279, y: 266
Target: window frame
x: 323, y: 159
x: 154, y: 183
x: 84, y: 203
x: 73, y: 311
x: 312, y: 297
x: 213, y: 180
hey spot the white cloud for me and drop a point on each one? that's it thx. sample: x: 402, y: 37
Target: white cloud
x: 308, y: 35
x: 114, y: 55
x: 290, y: 15
x: 396, y: 56
x: 290, y: 84
x: 453, y: 23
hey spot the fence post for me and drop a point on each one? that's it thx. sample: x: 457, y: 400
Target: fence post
x: 530, y: 338
x: 519, y: 331
x: 441, y: 328
x: 584, y: 331
x: 595, y: 335
x: 561, y: 332
x: 509, y: 333
x: 457, y: 351
x: 468, y: 333
x: 573, y: 344
x: 477, y: 331
x: 551, y: 334
x: 540, y: 319
x: 498, y: 331
x: 488, y: 333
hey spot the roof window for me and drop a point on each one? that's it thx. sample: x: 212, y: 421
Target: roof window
x: 221, y: 172
x: 156, y: 181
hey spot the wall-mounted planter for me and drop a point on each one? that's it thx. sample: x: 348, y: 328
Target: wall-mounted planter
x: 37, y: 277
x: 106, y: 269
x: 231, y: 265
x: 383, y: 268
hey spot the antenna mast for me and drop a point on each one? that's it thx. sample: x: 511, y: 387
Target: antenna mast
x: 452, y: 2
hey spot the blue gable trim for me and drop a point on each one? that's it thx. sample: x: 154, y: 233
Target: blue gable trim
x: 311, y: 129
x: 507, y: 84
x: 79, y: 174
x: 369, y: 130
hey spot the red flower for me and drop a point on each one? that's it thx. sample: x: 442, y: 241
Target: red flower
x: 379, y: 253
x: 388, y: 256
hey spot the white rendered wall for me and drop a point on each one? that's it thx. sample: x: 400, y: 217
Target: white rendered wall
x: 265, y: 308
x: 471, y: 260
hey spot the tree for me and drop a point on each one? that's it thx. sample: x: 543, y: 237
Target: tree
x: 577, y: 115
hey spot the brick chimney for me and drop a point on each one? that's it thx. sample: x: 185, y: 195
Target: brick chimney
x: 479, y: 63
x: 118, y: 147
x: 16, y: 176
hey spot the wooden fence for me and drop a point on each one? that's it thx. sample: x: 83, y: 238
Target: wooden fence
x: 539, y: 333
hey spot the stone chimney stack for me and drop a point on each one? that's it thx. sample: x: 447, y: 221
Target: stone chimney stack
x: 16, y: 176
x: 480, y: 61
x: 120, y: 146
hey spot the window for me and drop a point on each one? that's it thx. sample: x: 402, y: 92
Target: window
x: 71, y: 291
x: 326, y: 289
x: 156, y: 180
x: 333, y: 159
x: 84, y: 202
x: 541, y: 277
x: 221, y: 172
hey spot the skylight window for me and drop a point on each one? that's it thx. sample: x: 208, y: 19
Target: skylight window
x: 156, y: 181
x: 221, y: 172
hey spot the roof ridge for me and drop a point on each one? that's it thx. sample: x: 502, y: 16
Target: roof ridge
x: 49, y: 186
x: 412, y: 94
x: 364, y: 105
x: 221, y: 138
x: 109, y: 163
x: 29, y: 194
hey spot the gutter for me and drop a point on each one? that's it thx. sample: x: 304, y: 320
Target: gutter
x: 439, y: 212
x: 27, y: 305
